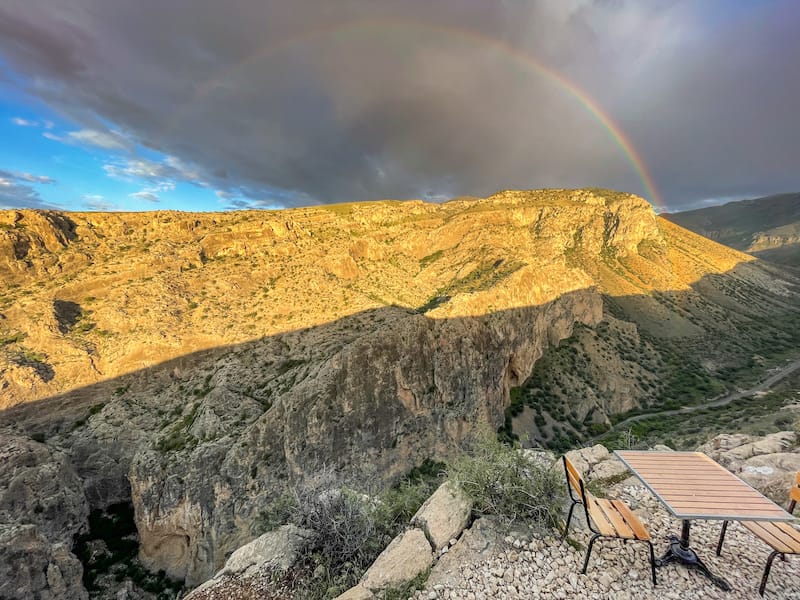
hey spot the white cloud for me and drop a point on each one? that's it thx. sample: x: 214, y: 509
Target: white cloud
x: 103, y: 139
x: 146, y: 195
x: 97, y: 202
x: 16, y: 193
x: 35, y: 178
x: 24, y: 122
x: 110, y: 140
x: 135, y: 168
x: 159, y: 176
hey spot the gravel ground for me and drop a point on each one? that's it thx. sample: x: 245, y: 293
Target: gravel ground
x: 536, y: 567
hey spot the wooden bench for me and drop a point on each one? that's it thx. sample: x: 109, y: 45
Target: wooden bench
x: 781, y: 537
x: 606, y: 518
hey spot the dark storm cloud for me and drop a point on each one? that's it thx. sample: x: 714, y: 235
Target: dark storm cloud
x: 291, y: 102
x: 16, y: 193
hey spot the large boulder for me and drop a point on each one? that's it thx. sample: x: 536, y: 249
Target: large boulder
x: 357, y: 592
x: 608, y: 470
x: 475, y: 546
x: 408, y: 555
x: 276, y: 550
x: 768, y: 463
x: 255, y: 563
x: 772, y: 474
x: 585, y: 459
x: 444, y: 515
x: 731, y: 451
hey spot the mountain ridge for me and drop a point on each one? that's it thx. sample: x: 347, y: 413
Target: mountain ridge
x: 767, y: 227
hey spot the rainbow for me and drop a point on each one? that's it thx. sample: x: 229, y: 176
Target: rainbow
x: 504, y: 48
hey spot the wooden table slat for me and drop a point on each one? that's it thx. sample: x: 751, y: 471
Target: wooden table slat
x: 692, y: 486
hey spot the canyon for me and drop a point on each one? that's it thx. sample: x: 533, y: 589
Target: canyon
x: 195, y: 365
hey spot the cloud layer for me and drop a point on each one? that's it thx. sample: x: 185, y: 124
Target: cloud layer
x: 290, y: 103
x: 16, y: 191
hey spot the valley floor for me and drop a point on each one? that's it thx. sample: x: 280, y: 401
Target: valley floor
x: 532, y: 567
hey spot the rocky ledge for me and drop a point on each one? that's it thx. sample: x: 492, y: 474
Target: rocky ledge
x: 485, y: 564
x: 480, y: 562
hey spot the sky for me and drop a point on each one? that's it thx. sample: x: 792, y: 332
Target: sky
x: 209, y: 105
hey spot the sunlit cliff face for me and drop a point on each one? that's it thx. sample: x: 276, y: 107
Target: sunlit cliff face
x: 95, y: 295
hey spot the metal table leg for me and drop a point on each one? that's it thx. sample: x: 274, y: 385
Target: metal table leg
x: 679, y: 551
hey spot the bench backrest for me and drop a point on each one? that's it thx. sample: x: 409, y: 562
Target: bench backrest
x: 794, y: 492
x: 575, y: 483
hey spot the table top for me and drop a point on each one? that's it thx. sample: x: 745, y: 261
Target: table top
x: 693, y: 486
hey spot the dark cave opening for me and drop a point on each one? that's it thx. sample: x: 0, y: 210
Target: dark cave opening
x: 108, y: 552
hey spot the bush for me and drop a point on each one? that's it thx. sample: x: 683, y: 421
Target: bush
x: 278, y: 511
x: 503, y: 482
x: 350, y: 528
x: 345, y: 530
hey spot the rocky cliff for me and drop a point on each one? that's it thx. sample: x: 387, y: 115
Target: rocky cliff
x: 197, y: 364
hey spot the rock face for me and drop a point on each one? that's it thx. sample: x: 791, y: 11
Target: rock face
x: 40, y: 487
x: 768, y: 464
x: 33, y: 568
x: 199, y: 364
x: 429, y: 384
x: 42, y: 506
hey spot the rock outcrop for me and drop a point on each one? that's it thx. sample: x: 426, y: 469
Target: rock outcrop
x: 408, y: 555
x: 444, y: 515
x: 42, y: 506
x: 40, y: 487
x: 767, y: 463
x: 31, y: 567
x: 267, y: 556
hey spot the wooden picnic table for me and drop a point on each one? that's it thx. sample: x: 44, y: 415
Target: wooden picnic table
x: 693, y: 486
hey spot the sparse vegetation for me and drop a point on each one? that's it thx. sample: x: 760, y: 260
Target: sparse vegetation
x: 430, y: 259
x: 759, y: 414
x: 7, y: 339
x: 178, y: 436
x: 351, y: 527
x: 485, y: 276
x: 503, y: 482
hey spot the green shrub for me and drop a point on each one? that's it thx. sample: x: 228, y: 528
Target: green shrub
x: 277, y: 512
x: 350, y: 528
x: 11, y: 338
x: 503, y: 482
x: 407, y: 590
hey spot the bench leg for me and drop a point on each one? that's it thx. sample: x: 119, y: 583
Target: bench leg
x: 766, y: 572
x: 569, y: 518
x: 652, y: 562
x: 722, y: 537
x: 589, y: 551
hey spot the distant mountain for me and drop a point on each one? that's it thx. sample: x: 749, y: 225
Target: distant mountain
x: 768, y: 228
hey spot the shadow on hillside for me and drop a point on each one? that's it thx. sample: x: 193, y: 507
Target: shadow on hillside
x: 372, y: 394
x: 787, y: 256
x: 393, y: 354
